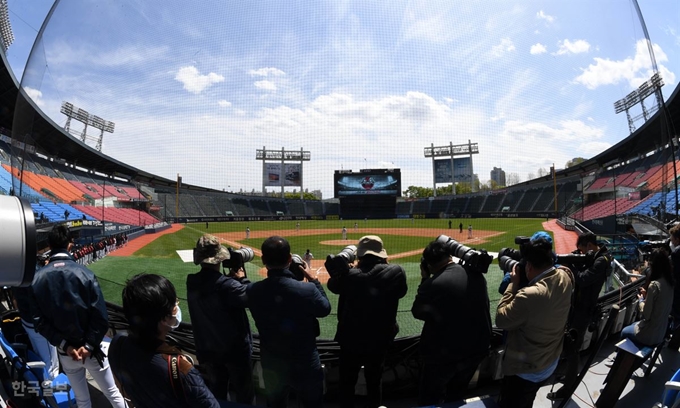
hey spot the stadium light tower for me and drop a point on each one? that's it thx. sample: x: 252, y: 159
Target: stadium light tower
x: 87, y: 119
x: 5, y: 26
x: 649, y: 87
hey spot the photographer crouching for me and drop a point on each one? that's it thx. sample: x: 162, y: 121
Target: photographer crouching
x: 367, y: 310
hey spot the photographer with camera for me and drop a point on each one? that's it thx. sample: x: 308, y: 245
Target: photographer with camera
x: 453, y: 302
x: 534, y: 317
x: 590, y: 275
x: 285, y: 310
x: 70, y: 312
x: 367, y: 311
x: 221, y: 328
x: 517, y: 256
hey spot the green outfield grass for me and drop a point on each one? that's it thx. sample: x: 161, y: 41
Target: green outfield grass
x: 160, y: 257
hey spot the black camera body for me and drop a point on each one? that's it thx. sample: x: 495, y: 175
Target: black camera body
x: 238, y: 258
x: 478, y: 260
x: 338, y: 264
x: 509, y: 257
x: 576, y: 260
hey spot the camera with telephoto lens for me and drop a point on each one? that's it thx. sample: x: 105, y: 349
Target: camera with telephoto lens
x: 338, y: 264
x: 478, y: 260
x: 238, y: 258
x: 348, y: 253
x: 18, y: 242
x: 297, y: 264
x: 576, y: 260
x: 509, y: 257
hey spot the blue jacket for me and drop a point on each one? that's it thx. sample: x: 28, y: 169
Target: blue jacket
x: 67, y: 303
x: 145, y: 379
x: 218, y: 316
x: 285, y: 312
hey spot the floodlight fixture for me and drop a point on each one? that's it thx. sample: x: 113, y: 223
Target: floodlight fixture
x: 87, y: 119
x: 5, y: 26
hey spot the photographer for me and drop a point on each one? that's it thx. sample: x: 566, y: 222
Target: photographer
x: 222, y: 335
x: 535, y: 317
x: 285, y: 312
x: 454, y: 304
x: 589, y: 279
x: 367, y: 310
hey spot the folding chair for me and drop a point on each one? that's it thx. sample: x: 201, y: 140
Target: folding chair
x: 28, y: 384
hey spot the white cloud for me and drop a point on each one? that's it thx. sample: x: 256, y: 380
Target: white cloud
x: 506, y: 45
x: 541, y: 15
x: 266, y: 72
x: 575, y: 47
x: 36, y: 96
x: 194, y: 82
x: 634, y: 70
x: 223, y: 103
x: 265, y: 85
x: 537, y: 48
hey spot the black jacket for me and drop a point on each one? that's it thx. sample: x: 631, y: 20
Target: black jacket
x: 145, y: 379
x: 367, y: 308
x: 454, y: 304
x: 285, y: 312
x: 67, y: 303
x: 218, y: 316
x: 589, y: 282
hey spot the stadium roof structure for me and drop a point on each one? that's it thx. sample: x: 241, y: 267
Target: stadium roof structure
x: 53, y: 141
x: 652, y: 135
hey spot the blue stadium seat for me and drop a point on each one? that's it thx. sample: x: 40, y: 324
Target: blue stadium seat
x: 28, y: 375
x: 671, y: 395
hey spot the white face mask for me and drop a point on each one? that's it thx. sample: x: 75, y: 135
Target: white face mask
x: 672, y: 246
x: 178, y: 319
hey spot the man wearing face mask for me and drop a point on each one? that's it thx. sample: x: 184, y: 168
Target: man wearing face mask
x: 69, y: 311
x: 151, y: 372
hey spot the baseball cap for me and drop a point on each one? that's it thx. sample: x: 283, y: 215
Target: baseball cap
x: 541, y: 234
x: 209, y: 250
x: 371, y: 245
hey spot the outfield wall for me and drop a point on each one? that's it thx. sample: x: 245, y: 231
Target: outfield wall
x: 190, y: 220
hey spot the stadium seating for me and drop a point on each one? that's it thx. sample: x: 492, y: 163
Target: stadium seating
x: 28, y: 375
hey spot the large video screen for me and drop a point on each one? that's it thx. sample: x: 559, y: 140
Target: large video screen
x: 368, y: 182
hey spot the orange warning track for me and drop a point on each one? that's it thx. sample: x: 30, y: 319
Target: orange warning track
x: 563, y: 241
x: 138, y: 243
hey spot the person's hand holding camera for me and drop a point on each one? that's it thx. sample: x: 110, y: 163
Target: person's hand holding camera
x: 336, y: 265
x: 307, y: 272
x: 514, y: 276
x: 237, y: 273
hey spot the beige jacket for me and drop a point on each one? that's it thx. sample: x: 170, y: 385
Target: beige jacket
x: 655, y: 310
x: 535, y: 317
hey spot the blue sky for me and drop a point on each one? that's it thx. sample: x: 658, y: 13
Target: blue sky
x: 196, y: 88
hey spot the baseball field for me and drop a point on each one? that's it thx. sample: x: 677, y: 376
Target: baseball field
x: 404, y: 240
